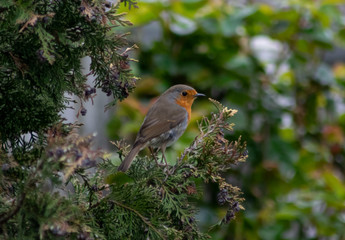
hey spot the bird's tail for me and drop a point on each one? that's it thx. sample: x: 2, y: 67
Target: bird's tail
x: 129, y: 158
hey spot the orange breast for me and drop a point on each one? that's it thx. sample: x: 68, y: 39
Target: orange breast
x: 187, y: 102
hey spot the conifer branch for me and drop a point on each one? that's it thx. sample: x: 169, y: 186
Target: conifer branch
x: 39, y: 67
x: 139, y: 215
x: 14, y: 211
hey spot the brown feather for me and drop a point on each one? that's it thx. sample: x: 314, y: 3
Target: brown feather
x: 161, y: 117
x: 169, y: 115
x: 129, y: 158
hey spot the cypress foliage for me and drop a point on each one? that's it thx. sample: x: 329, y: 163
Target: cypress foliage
x: 53, y: 184
x: 41, y: 44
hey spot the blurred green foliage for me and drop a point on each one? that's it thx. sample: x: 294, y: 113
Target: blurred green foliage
x: 269, y: 63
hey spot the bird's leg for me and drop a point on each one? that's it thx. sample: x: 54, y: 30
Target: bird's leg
x: 163, y: 155
x: 152, y: 151
x: 166, y: 166
x: 153, y: 154
x: 165, y: 160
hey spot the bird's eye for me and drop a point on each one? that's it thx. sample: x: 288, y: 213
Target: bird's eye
x: 184, y: 93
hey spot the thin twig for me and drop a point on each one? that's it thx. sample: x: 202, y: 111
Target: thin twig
x: 85, y: 179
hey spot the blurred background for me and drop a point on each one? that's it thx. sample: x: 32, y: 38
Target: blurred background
x: 282, y: 65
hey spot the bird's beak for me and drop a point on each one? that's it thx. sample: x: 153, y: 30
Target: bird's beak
x: 199, y: 95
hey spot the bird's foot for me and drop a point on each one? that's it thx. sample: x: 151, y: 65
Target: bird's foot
x: 165, y: 167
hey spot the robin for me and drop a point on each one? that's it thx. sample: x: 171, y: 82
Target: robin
x: 165, y: 122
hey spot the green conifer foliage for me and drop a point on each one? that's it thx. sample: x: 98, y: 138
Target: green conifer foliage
x: 54, y: 184
x: 41, y: 44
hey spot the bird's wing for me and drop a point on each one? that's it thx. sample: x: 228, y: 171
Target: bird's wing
x: 160, y: 120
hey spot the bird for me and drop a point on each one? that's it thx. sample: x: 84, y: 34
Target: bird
x: 164, y: 123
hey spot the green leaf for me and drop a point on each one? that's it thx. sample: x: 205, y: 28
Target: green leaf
x: 324, y: 75
x: 229, y: 26
x: 118, y: 178
x: 209, y: 25
x: 288, y: 213
x: 335, y: 184
x: 322, y: 37
x: 182, y: 25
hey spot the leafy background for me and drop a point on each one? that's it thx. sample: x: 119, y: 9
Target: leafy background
x: 281, y: 66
